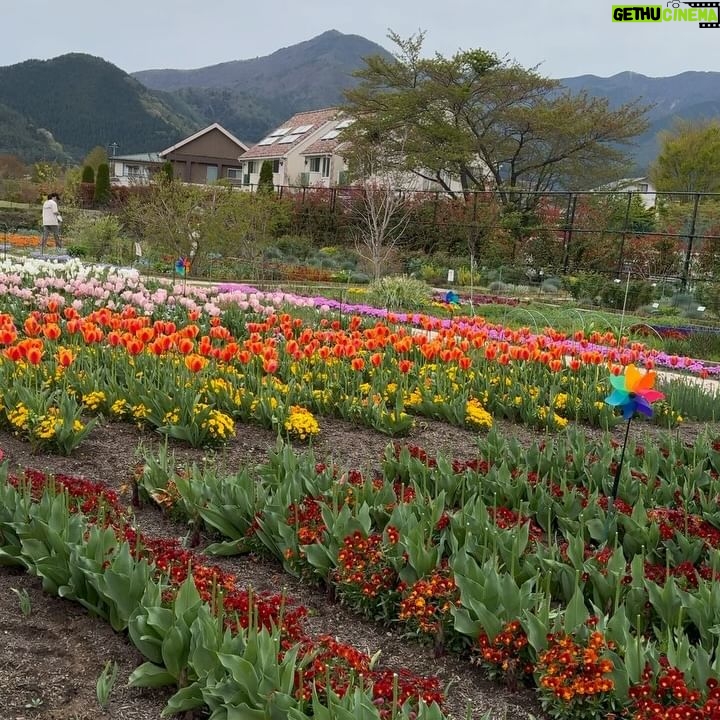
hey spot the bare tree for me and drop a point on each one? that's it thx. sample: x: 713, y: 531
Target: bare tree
x: 382, y: 210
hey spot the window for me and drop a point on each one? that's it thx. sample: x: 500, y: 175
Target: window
x: 251, y: 167
x: 269, y: 140
x: 279, y: 132
x: 276, y: 165
x: 302, y: 129
x: 234, y: 173
x: 211, y: 173
x: 344, y: 124
x: 330, y: 135
x: 320, y: 165
x: 643, y: 187
x: 132, y: 170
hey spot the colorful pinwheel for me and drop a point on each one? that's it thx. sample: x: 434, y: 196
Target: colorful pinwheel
x: 633, y: 392
x: 182, y: 265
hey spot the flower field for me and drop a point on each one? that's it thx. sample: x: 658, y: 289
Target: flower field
x: 510, y: 557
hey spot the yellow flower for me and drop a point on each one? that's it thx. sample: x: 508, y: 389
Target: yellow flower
x: 140, y: 411
x: 94, y: 400
x: 119, y: 407
x: 476, y: 415
x: 301, y: 423
x: 171, y: 418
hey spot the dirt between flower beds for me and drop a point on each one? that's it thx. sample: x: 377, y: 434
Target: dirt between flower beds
x: 50, y: 661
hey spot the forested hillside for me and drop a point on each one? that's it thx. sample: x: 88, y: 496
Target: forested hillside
x: 84, y: 101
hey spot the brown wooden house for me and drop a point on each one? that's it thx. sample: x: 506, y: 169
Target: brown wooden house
x: 209, y: 155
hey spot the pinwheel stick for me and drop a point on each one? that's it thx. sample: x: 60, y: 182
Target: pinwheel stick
x: 618, y: 470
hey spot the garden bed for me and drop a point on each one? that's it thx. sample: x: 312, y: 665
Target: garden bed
x: 58, y: 673
x: 64, y: 679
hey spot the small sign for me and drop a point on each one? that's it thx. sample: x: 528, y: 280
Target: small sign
x: 138, y: 250
x: 656, y: 305
x: 701, y: 308
x: 451, y: 276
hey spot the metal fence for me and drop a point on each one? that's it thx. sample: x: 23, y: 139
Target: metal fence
x: 673, y: 236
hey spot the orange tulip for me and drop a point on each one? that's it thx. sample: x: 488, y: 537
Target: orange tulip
x: 404, y: 366
x: 145, y: 335
x: 65, y: 357
x: 13, y: 353
x: 185, y: 345
x: 358, y: 364
x: 195, y: 363
x: 51, y: 332
x: 34, y: 355
x: 7, y: 336
x: 134, y: 346
x: 31, y: 326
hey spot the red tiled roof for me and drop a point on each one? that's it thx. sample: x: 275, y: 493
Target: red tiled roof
x: 316, y: 118
x: 323, y: 147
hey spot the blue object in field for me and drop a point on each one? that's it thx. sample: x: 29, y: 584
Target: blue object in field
x: 452, y: 298
x: 180, y: 267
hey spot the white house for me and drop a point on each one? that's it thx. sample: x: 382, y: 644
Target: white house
x: 306, y: 150
x: 301, y: 151
x: 133, y: 169
x: 640, y: 186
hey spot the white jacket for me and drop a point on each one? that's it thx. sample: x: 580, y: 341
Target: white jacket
x: 51, y: 215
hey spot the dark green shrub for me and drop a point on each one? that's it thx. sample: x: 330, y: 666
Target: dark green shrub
x: 265, y: 183
x: 19, y: 218
x: 102, y: 185
x: 639, y: 293
x: 167, y: 173
x: 88, y: 174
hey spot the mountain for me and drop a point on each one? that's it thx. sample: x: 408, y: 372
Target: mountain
x: 689, y: 95
x: 248, y: 97
x: 59, y: 109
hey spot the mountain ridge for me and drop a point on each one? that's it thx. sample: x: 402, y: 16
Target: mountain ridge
x: 80, y: 101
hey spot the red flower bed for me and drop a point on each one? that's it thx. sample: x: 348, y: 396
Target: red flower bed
x: 333, y: 660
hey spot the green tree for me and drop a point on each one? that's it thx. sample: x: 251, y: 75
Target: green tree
x: 265, y: 183
x: 102, y: 185
x: 88, y: 174
x: 167, y: 172
x: 488, y: 122
x: 95, y: 158
x: 689, y: 159
x: 171, y: 218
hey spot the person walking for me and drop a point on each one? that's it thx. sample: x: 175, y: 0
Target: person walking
x: 51, y: 220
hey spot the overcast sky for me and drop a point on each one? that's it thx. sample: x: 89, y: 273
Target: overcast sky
x: 564, y: 37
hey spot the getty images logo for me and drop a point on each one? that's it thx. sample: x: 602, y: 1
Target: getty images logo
x: 706, y: 14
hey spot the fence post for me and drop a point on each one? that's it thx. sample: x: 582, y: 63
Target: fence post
x: 569, y: 223
x: 623, y: 235
x: 691, y: 237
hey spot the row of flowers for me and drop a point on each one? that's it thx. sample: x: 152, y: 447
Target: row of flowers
x: 187, y: 616
x: 35, y: 282
x: 511, y: 557
x: 194, y: 379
